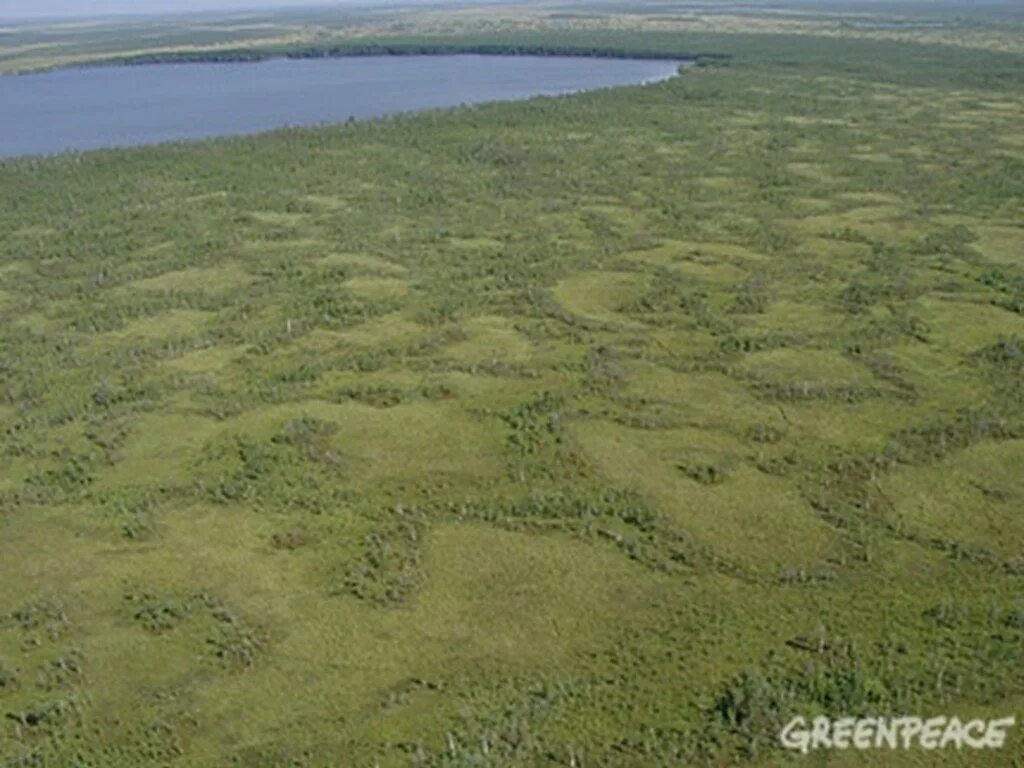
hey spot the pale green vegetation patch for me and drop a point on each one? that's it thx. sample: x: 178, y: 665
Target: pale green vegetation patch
x: 34, y: 322
x: 277, y: 219
x: 20, y: 469
x: 964, y: 327
x: 475, y: 243
x: 718, y: 183
x: 974, y: 497
x: 519, y: 601
x: 363, y: 262
x: 175, y: 322
x: 490, y: 339
x: 600, y: 296
x: 377, y: 287
x: 1001, y: 244
x: 611, y: 216
x: 809, y: 206
x: 295, y: 245
x: 702, y: 265
x: 211, y: 280
x: 386, y: 329
x: 696, y: 477
x: 864, y: 426
x: 488, y: 394
x: 366, y: 444
x: 707, y: 399
x: 813, y: 171
x: 944, y: 382
x: 159, y: 448
x: 210, y: 360
x: 328, y: 202
x: 805, y: 367
x: 717, y: 252
x: 804, y: 318
x: 871, y: 198
x: 666, y: 253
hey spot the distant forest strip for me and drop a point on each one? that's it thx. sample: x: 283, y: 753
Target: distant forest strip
x: 415, y: 48
x: 884, y: 61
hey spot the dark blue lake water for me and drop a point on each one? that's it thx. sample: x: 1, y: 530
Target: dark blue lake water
x: 121, y: 106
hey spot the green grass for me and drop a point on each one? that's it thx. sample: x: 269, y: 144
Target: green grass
x: 617, y: 428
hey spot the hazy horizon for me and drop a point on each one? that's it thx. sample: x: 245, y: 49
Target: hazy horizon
x: 52, y: 9
x: 40, y: 9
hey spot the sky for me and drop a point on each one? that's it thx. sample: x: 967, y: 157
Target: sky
x: 39, y: 8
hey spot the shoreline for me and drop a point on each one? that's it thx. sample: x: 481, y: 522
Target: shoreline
x: 677, y: 69
x: 344, y: 51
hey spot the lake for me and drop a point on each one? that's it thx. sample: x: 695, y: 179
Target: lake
x: 89, y: 108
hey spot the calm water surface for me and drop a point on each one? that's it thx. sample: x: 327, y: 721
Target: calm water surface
x: 120, y: 106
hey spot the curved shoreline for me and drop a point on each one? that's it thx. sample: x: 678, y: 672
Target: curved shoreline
x: 162, y: 105
x: 256, y: 54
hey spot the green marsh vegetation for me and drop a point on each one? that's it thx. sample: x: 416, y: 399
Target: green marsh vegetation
x: 608, y: 430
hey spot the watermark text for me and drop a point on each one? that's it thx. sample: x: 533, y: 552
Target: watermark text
x: 894, y: 733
